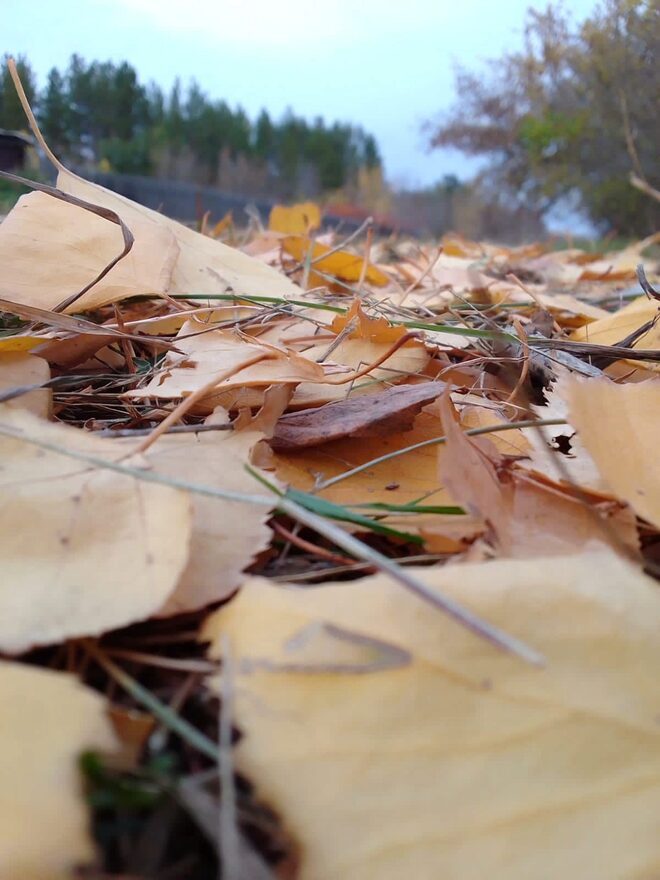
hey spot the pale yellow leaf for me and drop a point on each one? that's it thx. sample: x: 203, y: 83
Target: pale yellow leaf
x: 50, y: 249
x: 414, y: 749
x: 226, y: 535
x: 209, y: 353
x: 19, y: 369
x: 48, y: 721
x: 203, y: 265
x: 83, y: 550
x: 615, y: 327
x: 620, y: 426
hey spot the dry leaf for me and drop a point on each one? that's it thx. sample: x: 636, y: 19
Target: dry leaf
x: 18, y: 343
x: 296, y: 219
x: 226, y: 535
x: 339, y: 264
x: 364, y: 344
x: 528, y: 513
x: 557, y: 450
x: 41, y: 232
x: 620, y: 427
x: 407, y: 478
x: 83, y: 550
x: 369, y: 415
x: 18, y: 370
x: 616, y: 327
x: 209, y: 353
x: 203, y: 265
x: 394, y: 744
x: 48, y: 721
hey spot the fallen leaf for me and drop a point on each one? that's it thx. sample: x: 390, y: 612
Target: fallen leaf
x: 295, y: 220
x: 557, y: 450
x: 48, y: 721
x: 206, y: 353
x: 620, y: 426
x: 84, y: 550
x: 18, y: 370
x: 393, y: 743
x: 41, y: 232
x: 18, y: 343
x: 369, y: 415
x: 203, y: 265
x: 528, y: 513
x: 361, y: 340
x: 226, y: 535
x: 617, y: 326
x: 414, y: 474
x: 339, y: 264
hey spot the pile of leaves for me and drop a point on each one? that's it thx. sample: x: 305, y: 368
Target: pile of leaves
x: 323, y: 558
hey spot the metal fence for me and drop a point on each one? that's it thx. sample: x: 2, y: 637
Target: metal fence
x: 189, y: 201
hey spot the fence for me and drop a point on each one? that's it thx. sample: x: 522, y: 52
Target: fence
x: 189, y: 201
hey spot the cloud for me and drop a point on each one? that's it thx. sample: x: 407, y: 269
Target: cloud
x: 269, y: 23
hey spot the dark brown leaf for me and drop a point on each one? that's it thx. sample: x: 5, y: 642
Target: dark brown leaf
x: 369, y: 415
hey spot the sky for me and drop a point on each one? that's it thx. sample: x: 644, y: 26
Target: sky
x: 387, y: 66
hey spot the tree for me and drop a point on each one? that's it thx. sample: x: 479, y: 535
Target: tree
x: 570, y: 115
x: 264, y: 138
x: 54, y: 113
x: 12, y: 116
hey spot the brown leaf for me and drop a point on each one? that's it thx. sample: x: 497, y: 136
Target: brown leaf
x: 528, y: 513
x: 370, y: 415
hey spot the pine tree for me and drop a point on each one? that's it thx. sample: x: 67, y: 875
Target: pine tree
x: 12, y: 116
x: 54, y: 113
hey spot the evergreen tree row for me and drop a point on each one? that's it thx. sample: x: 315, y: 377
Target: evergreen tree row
x: 99, y: 112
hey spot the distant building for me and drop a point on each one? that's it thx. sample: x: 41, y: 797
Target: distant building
x: 14, y: 147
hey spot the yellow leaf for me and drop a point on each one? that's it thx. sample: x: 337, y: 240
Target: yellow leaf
x: 19, y: 369
x: 296, y: 219
x: 373, y: 329
x: 340, y: 264
x: 48, y: 720
x: 394, y: 743
x: 400, y: 481
x: 20, y: 343
x: 83, y: 550
x: 620, y: 426
x: 614, y: 328
x: 223, y: 224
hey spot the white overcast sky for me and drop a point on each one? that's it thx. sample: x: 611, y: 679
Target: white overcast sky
x: 387, y: 66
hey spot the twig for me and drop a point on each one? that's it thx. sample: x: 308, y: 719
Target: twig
x: 163, y: 713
